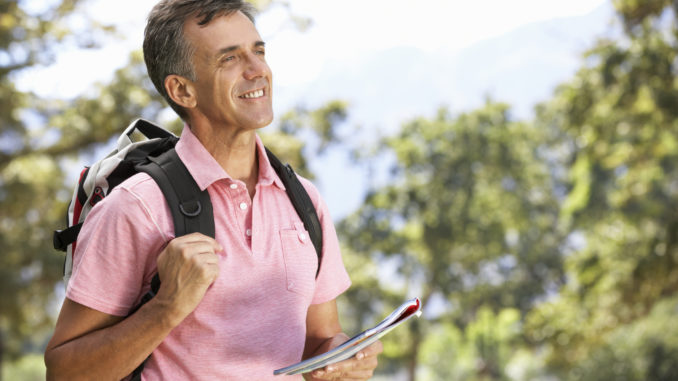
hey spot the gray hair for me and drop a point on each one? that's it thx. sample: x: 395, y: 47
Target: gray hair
x: 166, y: 51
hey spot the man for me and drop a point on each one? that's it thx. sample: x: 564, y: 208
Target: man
x: 235, y: 307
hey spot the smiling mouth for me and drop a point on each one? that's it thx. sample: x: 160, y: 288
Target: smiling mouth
x: 253, y: 94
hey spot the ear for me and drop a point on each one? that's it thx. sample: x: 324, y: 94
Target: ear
x: 180, y: 90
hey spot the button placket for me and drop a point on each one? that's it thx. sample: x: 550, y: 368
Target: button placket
x: 239, y: 196
x: 244, y: 208
x: 239, y: 193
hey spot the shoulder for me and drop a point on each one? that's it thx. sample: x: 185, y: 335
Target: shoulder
x: 312, y: 190
x: 139, y: 188
x: 316, y: 198
x: 140, y: 184
x: 137, y: 199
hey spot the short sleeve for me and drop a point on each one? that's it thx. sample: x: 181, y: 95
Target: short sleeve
x: 332, y: 279
x: 116, y: 253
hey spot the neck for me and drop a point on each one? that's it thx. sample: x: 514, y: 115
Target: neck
x: 235, y: 151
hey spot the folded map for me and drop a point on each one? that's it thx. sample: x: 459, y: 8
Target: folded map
x: 346, y: 350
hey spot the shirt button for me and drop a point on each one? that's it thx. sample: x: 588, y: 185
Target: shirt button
x: 290, y: 285
x: 243, y: 206
x: 234, y: 186
x: 248, y: 232
x: 302, y: 237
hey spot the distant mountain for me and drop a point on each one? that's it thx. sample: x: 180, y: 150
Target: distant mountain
x: 389, y: 87
x: 521, y: 67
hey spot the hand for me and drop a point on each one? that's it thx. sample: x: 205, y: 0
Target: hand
x: 186, y: 267
x: 359, y: 367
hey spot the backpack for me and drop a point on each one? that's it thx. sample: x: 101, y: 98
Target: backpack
x: 191, y: 208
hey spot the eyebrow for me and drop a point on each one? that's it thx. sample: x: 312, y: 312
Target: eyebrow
x: 226, y: 50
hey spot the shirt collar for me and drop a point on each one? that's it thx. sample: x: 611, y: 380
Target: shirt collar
x: 267, y: 174
x: 205, y: 169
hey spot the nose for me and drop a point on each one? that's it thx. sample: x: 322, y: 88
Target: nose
x: 256, y: 67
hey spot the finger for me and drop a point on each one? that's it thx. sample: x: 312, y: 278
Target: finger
x: 321, y: 374
x: 348, y: 366
x: 358, y: 362
x: 342, y: 375
x: 198, y: 237
x: 212, y: 272
x: 333, y: 377
x: 191, y: 249
x: 207, y: 259
x: 348, y: 369
x: 372, y: 350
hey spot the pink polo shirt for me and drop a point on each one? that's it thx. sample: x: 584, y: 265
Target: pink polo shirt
x: 252, y: 320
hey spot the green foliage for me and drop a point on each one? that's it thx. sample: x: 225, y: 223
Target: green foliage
x: 469, y: 215
x: 28, y: 368
x: 615, y: 127
x: 28, y: 39
x: 637, y: 13
x: 570, y: 219
x: 318, y: 125
x: 30, y: 178
x: 34, y: 195
x: 646, y: 349
x: 323, y: 122
x: 481, y: 351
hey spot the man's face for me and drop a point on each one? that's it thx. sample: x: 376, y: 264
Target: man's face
x: 233, y: 86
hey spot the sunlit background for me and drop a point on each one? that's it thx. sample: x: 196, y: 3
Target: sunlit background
x: 513, y: 164
x: 390, y: 60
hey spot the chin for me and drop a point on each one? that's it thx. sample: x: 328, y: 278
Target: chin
x: 263, y: 122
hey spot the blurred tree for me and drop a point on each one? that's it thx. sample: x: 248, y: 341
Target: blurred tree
x: 323, y: 122
x: 28, y: 39
x: 480, y: 352
x: 615, y: 128
x: 643, y: 350
x: 27, y: 368
x: 30, y: 178
x: 468, y: 219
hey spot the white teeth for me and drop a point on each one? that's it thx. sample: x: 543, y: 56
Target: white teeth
x: 254, y: 94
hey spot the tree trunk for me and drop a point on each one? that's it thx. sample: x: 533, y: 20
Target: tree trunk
x: 417, y: 338
x: 2, y: 352
x: 414, y: 354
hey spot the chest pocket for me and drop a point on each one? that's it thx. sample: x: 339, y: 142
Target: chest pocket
x: 301, y: 260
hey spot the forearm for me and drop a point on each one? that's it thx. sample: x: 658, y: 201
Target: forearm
x: 113, y: 352
x: 89, y: 344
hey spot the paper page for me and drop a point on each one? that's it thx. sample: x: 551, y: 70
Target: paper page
x: 346, y: 350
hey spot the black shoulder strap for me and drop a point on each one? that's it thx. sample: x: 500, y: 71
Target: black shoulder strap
x: 301, y: 201
x: 191, y: 209
x: 190, y: 206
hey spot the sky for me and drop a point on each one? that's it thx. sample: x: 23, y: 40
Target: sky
x: 391, y: 59
x: 341, y: 32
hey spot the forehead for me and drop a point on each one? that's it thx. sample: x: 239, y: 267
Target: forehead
x: 234, y: 29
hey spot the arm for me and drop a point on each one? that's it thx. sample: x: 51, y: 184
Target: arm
x: 88, y: 344
x: 323, y: 332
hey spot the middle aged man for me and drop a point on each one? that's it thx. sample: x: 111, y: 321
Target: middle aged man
x: 234, y: 307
